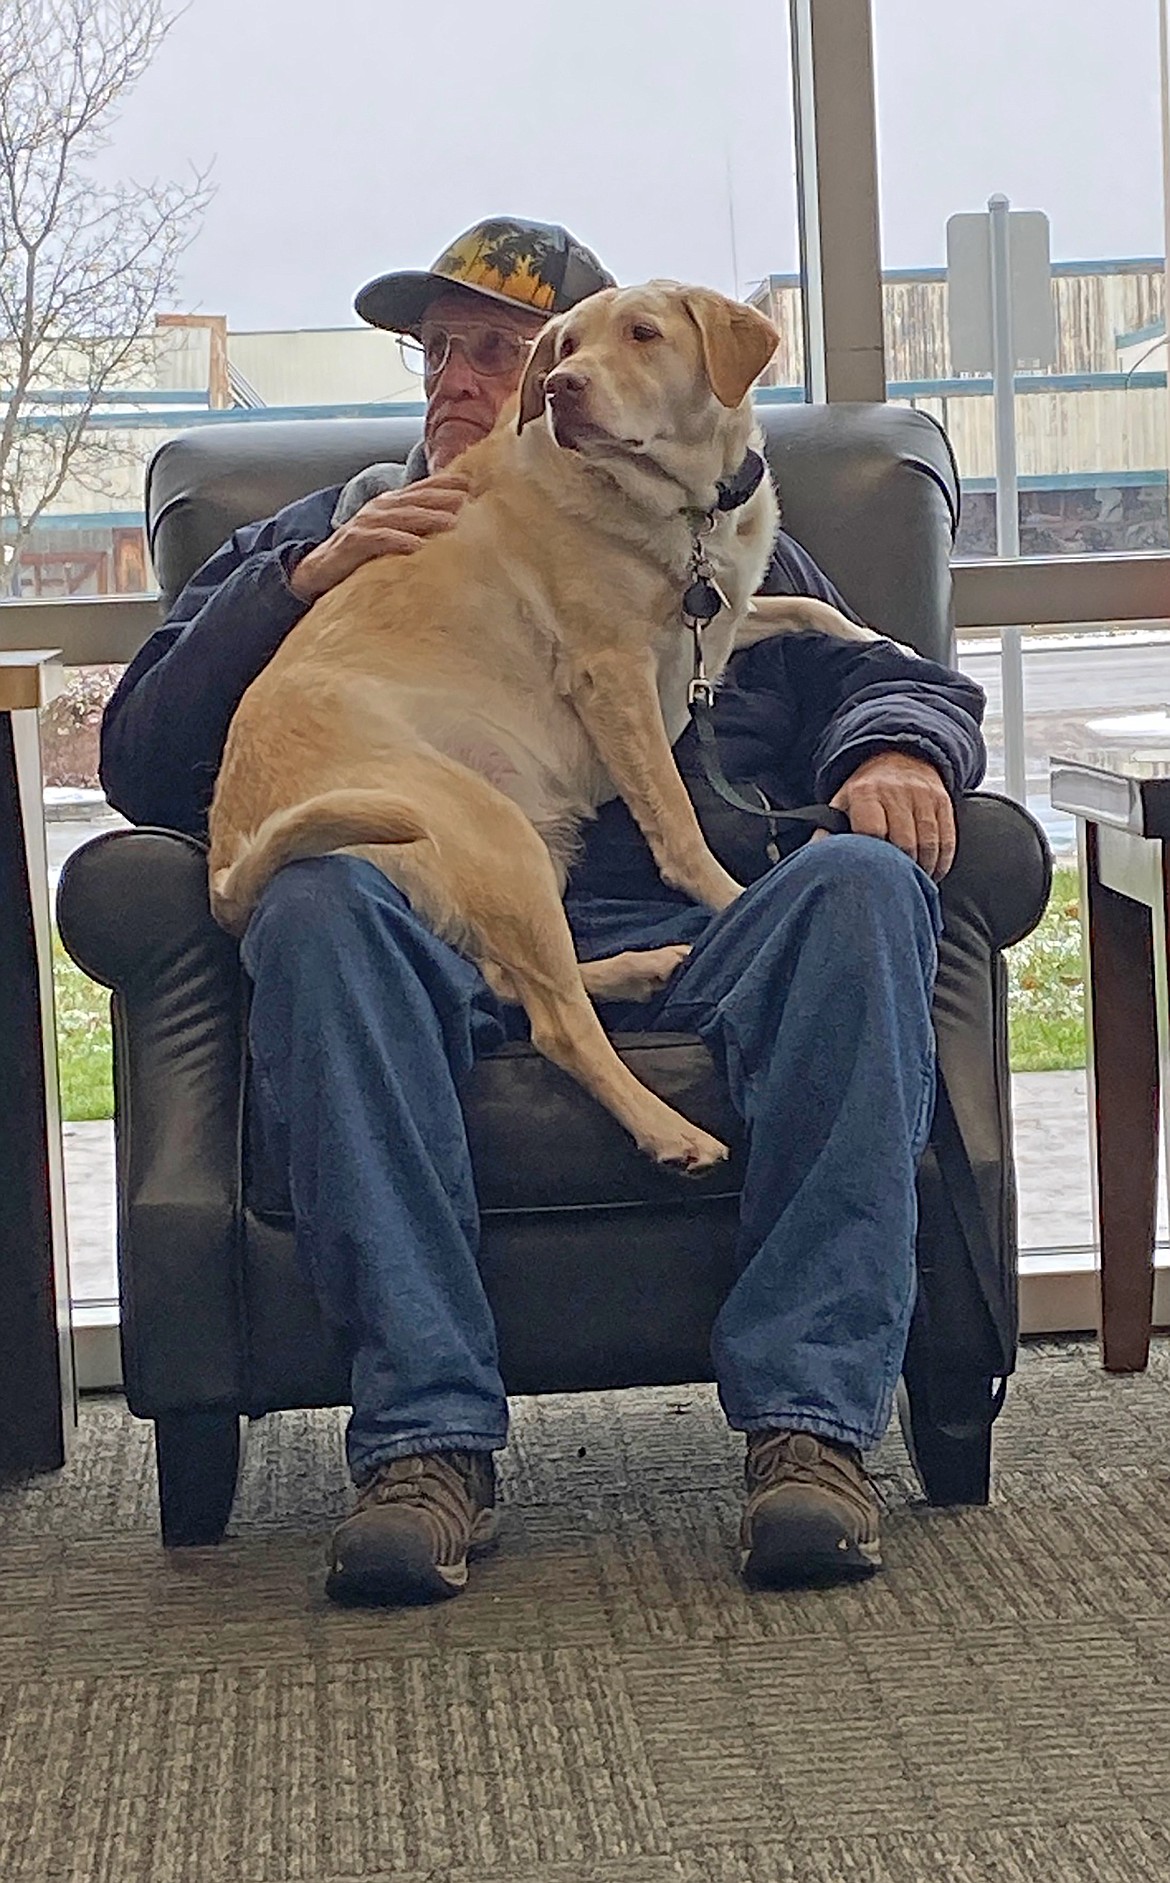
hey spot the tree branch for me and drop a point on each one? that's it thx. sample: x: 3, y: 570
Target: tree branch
x: 83, y: 267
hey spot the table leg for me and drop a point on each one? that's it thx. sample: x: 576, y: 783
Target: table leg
x: 37, y: 1405
x: 1123, y: 1081
x: 1161, y: 941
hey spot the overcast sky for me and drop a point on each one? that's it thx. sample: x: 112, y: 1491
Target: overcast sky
x: 362, y: 135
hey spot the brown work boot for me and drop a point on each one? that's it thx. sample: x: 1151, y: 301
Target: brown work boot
x: 417, y: 1521
x: 811, y: 1515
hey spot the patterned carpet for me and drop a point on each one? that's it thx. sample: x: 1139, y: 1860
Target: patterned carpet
x: 606, y: 1705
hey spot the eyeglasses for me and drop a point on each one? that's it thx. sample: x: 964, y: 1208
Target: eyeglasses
x: 490, y: 351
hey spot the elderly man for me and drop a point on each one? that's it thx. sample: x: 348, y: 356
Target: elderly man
x: 812, y: 991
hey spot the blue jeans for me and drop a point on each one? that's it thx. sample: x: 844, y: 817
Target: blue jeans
x: 812, y: 991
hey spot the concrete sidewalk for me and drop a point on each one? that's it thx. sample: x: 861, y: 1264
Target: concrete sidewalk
x: 1052, y: 1152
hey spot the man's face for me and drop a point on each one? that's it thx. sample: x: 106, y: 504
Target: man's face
x: 463, y: 399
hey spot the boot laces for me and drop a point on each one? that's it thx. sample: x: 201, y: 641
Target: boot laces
x: 437, y: 1484
x: 800, y: 1458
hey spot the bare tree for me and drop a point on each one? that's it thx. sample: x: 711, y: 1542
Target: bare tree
x: 84, y: 264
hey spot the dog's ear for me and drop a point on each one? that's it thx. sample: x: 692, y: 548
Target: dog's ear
x: 737, y: 342
x: 540, y: 362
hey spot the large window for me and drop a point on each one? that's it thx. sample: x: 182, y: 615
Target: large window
x: 361, y: 141
x: 1055, y: 106
x: 356, y: 144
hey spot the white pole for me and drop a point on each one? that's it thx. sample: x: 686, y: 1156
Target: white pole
x: 1007, y: 492
x: 1003, y: 367
x: 1165, y: 72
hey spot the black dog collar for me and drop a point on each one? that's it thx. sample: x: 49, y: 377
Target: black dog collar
x: 734, y: 491
x: 704, y: 598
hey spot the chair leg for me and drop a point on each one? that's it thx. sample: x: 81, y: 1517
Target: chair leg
x: 949, y: 1443
x: 198, y: 1457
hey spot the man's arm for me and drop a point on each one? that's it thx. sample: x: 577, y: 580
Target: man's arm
x: 878, y: 699
x: 164, y: 730
x: 890, y: 738
x: 860, y: 698
x: 166, y: 726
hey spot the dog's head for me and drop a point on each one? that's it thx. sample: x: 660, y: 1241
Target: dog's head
x: 631, y: 371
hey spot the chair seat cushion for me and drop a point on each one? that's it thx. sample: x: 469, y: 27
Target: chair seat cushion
x: 539, y: 1142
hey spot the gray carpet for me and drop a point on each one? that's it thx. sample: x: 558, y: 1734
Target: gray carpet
x: 606, y: 1705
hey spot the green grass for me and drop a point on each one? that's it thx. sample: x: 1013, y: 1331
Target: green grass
x: 83, y: 1041
x: 1047, y: 1026
x: 1046, y: 1016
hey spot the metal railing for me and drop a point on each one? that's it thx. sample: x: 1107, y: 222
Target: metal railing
x: 999, y: 600
x: 91, y: 631
x: 1060, y: 591
x: 1039, y: 592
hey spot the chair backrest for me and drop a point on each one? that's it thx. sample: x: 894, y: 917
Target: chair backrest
x: 870, y: 491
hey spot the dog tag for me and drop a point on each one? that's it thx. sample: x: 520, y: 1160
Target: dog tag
x: 702, y: 601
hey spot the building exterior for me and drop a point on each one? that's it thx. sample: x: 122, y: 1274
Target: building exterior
x: 193, y: 371
x: 1092, y: 432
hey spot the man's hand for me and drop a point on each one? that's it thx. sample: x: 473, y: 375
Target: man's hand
x: 394, y: 524
x: 904, y: 800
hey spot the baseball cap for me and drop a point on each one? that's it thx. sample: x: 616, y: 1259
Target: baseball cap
x: 537, y: 265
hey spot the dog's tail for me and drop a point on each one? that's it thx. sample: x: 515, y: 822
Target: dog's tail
x: 331, y: 821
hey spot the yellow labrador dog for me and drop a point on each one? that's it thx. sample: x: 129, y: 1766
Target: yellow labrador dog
x: 455, y: 714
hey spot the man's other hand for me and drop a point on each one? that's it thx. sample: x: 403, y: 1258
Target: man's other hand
x: 394, y: 524
x: 903, y: 800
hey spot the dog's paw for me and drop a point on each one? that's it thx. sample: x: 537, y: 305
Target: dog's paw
x: 637, y: 974
x: 654, y: 967
x: 692, y: 1153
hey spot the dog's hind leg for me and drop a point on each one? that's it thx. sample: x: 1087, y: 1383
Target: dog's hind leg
x: 488, y: 877
x: 636, y: 974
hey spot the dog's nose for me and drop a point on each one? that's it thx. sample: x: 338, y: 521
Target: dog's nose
x: 565, y: 385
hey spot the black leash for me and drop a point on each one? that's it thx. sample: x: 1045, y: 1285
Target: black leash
x: 816, y: 816
x: 702, y: 601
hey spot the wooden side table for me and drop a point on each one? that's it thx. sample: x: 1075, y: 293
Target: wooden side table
x: 1120, y: 797
x: 37, y: 1395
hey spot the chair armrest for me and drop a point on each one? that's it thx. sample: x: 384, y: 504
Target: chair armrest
x: 993, y: 897
x: 1003, y: 866
x: 133, y: 913
x: 132, y: 905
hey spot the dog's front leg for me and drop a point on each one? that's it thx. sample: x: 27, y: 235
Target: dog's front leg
x: 615, y: 695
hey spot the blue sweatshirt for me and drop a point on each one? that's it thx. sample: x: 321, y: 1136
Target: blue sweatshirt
x: 795, y: 715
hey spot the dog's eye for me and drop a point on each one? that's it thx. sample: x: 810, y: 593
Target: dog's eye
x: 568, y: 345
x: 642, y: 330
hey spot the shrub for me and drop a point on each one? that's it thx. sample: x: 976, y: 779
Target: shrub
x: 70, y: 727
x: 1046, y: 987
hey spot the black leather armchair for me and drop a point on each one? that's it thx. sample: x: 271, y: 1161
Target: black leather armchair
x: 602, y: 1271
